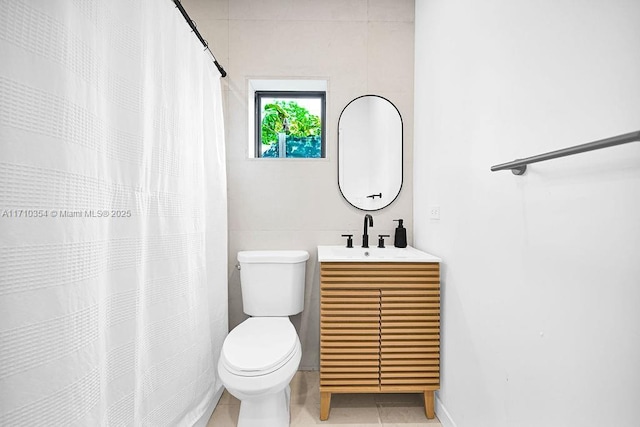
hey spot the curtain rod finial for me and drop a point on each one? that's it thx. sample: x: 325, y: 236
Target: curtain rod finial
x: 223, y: 73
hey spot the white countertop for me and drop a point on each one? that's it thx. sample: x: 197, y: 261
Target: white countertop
x: 373, y: 254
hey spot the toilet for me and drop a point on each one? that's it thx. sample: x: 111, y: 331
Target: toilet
x: 260, y: 356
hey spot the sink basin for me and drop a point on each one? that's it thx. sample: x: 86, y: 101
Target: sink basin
x: 374, y: 254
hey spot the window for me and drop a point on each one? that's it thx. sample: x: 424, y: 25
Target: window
x: 289, y: 124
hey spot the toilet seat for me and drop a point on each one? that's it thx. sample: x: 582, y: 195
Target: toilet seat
x: 259, y: 346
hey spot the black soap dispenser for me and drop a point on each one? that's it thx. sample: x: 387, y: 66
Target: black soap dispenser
x: 400, y: 240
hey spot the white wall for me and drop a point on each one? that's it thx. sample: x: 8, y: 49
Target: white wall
x: 541, y: 277
x: 360, y: 47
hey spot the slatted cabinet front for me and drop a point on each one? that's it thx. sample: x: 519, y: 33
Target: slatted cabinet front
x: 409, y: 338
x: 350, y: 338
x: 379, y: 329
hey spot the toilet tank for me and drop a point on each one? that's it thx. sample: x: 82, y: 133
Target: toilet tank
x: 272, y: 282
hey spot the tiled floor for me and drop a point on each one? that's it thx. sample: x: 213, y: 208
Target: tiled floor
x: 361, y: 410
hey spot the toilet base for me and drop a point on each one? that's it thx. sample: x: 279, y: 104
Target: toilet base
x: 272, y: 410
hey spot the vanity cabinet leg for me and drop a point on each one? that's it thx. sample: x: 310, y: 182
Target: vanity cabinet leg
x: 429, y: 404
x: 325, y: 405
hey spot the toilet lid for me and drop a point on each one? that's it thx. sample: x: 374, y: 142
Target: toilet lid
x: 259, y: 345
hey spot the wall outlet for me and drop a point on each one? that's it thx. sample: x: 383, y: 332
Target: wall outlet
x: 434, y: 212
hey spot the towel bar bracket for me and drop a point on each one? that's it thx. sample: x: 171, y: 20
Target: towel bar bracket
x: 520, y: 170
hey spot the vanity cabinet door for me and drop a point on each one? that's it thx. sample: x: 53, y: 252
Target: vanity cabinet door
x: 409, y: 339
x: 349, y: 338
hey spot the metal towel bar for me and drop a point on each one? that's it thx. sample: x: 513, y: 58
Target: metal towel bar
x: 519, y: 166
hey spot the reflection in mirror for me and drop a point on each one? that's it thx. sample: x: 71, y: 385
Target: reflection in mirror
x: 370, y: 152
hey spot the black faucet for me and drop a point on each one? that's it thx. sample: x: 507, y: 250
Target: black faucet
x: 365, y: 236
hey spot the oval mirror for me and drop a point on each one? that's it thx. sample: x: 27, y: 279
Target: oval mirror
x: 370, y: 152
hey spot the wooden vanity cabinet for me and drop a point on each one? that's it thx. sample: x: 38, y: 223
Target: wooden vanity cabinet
x: 379, y: 330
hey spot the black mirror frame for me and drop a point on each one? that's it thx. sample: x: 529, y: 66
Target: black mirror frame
x: 401, y: 154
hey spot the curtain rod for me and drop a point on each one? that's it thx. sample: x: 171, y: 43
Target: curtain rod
x: 192, y: 24
x: 518, y: 167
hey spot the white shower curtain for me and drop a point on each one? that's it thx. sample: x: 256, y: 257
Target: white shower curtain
x: 113, y: 294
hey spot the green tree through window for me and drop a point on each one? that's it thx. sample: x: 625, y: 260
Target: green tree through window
x: 281, y: 113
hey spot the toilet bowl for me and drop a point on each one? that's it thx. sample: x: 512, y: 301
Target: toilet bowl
x: 260, y: 356
x: 257, y: 362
